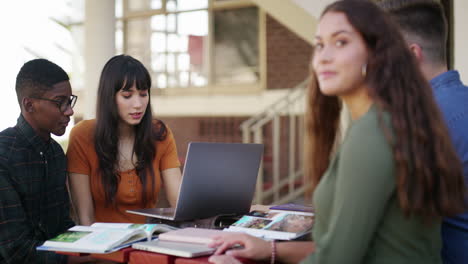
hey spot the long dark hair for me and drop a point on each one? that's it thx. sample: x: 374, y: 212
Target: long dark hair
x: 121, y: 72
x: 429, y: 178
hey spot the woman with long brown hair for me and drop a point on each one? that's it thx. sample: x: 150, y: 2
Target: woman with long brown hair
x: 381, y: 195
x: 121, y: 159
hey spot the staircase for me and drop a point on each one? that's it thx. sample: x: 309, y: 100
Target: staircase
x: 300, y: 16
x: 281, y: 128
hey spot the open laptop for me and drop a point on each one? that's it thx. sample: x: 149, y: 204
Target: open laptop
x: 218, y: 178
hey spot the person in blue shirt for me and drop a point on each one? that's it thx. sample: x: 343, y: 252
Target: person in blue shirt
x: 424, y: 27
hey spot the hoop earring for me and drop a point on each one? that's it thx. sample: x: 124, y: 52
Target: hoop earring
x: 364, y: 70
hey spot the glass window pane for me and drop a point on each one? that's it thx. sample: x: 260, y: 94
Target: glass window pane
x: 185, y: 5
x: 183, y: 61
x: 158, y: 64
x: 143, y: 5
x: 195, y: 23
x: 156, y: 4
x: 158, y: 42
x: 173, y: 45
x: 161, y: 81
x: 182, y: 43
x: 199, y: 80
x: 158, y: 23
x: 172, y: 81
x: 236, y: 46
x: 171, y: 5
x: 183, y: 79
x: 170, y: 63
x: 171, y: 23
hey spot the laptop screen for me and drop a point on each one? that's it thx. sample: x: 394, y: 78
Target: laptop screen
x: 218, y: 178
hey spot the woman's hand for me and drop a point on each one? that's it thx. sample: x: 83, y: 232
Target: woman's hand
x: 172, y: 178
x: 241, y: 245
x: 223, y: 259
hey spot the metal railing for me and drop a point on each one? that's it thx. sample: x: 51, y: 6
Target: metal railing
x: 285, y: 182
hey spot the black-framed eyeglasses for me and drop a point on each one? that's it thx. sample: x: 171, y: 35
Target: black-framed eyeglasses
x: 62, y: 104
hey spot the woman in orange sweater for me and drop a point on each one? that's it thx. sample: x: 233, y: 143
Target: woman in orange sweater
x: 119, y: 160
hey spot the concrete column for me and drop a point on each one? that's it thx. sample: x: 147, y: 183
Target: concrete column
x: 460, y: 9
x: 99, y: 47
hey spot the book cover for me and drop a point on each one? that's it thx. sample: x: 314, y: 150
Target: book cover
x: 186, y: 242
x: 150, y: 229
x: 181, y: 249
x: 191, y: 235
x: 101, y: 237
x: 293, y: 207
x: 275, y: 225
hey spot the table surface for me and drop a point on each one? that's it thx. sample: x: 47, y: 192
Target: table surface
x: 133, y: 256
x: 146, y: 257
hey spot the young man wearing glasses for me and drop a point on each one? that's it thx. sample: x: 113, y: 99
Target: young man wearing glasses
x: 34, y: 204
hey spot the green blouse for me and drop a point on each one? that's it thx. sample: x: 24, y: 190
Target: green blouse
x: 358, y: 219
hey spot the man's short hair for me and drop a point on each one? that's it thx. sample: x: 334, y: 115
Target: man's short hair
x: 422, y: 22
x: 38, y: 76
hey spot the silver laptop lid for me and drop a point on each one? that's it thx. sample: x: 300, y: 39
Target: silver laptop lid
x: 218, y: 178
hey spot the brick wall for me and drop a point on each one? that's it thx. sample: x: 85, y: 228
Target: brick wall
x: 288, y: 56
x: 203, y: 129
x: 226, y: 129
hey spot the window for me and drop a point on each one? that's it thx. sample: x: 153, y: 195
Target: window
x: 184, y: 5
x: 236, y: 46
x: 187, y: 43
x: 142, y: 5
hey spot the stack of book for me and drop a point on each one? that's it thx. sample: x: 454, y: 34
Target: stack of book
x: 282, y: 222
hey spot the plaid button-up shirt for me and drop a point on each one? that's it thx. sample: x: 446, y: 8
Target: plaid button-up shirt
x: 34, y: 203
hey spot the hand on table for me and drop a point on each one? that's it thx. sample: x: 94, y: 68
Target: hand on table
x: 223, y: 259
x: 240, y: 245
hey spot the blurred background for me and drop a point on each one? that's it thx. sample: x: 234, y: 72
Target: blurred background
x: 222, y: 70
